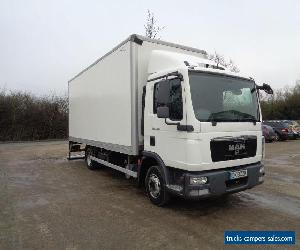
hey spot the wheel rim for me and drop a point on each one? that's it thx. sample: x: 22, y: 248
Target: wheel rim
x: 154, y: 186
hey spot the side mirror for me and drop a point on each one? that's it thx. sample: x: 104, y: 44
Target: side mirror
x: 163, y: 96
x: 266, y: 87
x: 163, y: 112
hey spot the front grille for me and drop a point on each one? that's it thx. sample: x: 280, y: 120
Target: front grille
x: 231, y: 148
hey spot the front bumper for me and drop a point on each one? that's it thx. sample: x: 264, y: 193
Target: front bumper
x: 218, y: 182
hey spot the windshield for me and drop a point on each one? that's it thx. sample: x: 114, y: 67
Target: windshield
x: 222, y: 98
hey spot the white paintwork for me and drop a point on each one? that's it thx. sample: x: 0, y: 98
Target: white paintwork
x: 151, y: 59
x: 106, y: 107
x: 105, y: 99
x: 191, y: 150
x: 100, y: 100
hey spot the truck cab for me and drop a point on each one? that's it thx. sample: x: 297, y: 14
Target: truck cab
x: 204, y: 123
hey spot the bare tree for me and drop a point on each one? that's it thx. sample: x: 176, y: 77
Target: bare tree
x: 220, y: 60
x: 151, y: 27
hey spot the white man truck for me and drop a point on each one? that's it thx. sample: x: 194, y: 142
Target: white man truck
x: 166, y: 115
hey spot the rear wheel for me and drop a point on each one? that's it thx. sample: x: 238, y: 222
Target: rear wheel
x: 89, y: 153
x: 155, y: 185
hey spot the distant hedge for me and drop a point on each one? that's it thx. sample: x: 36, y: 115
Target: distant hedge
x: 24, y: 116
x: 283, y: 105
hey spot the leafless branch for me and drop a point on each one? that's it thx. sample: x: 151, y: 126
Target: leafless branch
x: 152, y: 29
x: 220, y: 60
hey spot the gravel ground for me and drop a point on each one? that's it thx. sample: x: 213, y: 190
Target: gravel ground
x: 47, y: 202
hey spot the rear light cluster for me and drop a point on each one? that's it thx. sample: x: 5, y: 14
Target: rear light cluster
x: 284, y: 130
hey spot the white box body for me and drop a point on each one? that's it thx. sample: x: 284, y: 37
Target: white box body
x: 105, y: 100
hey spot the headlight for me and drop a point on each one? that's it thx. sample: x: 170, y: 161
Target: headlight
x: 198, y: 180
x: 262, y: 170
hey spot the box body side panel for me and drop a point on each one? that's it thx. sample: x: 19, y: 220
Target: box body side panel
x: 100, y: 105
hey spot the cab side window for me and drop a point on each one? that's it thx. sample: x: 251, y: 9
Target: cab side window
x: 176, y: 104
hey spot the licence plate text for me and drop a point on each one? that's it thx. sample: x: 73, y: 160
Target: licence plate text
x: 237, y: 174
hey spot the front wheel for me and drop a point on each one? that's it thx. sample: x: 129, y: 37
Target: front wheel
x: 156, y: 186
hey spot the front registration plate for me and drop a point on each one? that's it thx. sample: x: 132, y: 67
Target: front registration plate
x: 238, y: 174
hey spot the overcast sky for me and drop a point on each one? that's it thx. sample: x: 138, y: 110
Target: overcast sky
x: 45, y: 43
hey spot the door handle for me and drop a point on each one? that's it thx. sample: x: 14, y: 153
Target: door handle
x: 188, y: 128
x: 155, y: 128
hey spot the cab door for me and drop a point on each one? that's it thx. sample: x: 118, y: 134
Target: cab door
x: 167, y: 140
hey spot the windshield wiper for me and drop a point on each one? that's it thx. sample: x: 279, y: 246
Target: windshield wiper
x: 214, y: 121
x: 239, y: 117
x: 248, y: 118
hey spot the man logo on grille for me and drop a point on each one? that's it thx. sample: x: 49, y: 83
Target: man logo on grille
x: 237, y: 147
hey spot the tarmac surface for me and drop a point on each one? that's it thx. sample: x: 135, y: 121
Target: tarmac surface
x: 48, y: 202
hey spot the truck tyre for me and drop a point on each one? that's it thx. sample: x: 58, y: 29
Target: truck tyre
x: 92, y: 165
x: 155, y: 185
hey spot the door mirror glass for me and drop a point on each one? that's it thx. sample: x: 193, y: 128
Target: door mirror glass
x: 268, y: 89
x: 163, y: 112
x: 163, y: 95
